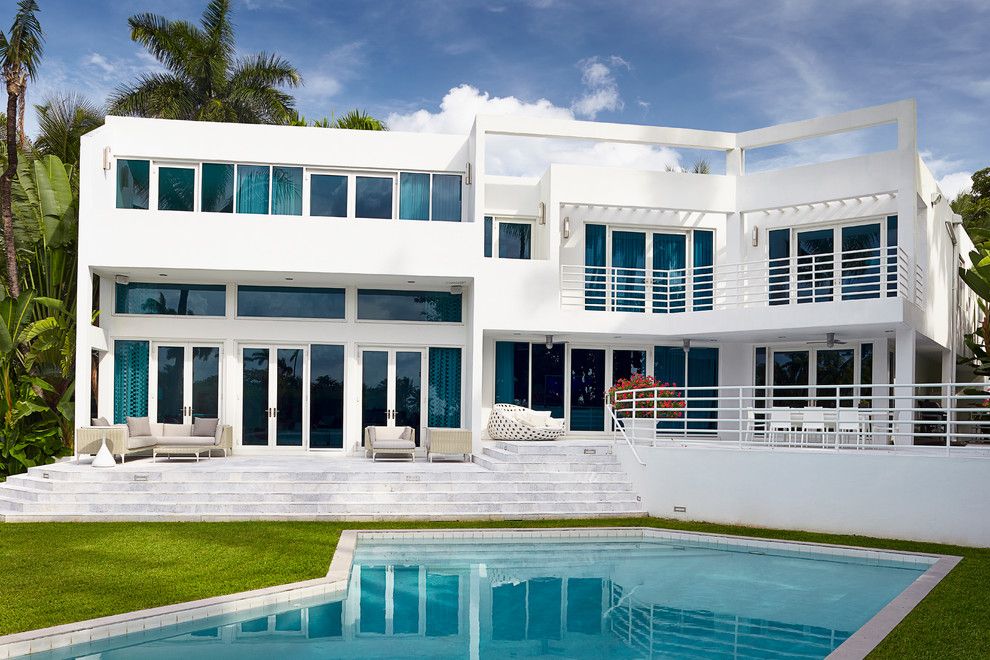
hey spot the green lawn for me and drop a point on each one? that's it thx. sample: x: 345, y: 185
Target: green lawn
x: 62, y: 572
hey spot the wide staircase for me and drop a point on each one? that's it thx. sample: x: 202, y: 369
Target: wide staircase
x: 507, y: 481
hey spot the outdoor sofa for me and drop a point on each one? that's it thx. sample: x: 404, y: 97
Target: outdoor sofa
x: 391, y: 441
x: 509, y: 422
x: 139, y: 434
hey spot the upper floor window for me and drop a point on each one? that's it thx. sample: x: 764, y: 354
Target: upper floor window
x: 509, y: 239
x: 386, y: 305
x: 133, y: 183
x: 171, y: 299
x: 373, y: 197
x: 328, y: 195
x: 217, y: 190
x: 176, y: 188
x: 290, y: 302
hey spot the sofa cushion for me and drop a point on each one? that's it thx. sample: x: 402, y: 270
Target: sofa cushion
x: 138, y: 426
x: 205, y: 426
x: 140, y: 441
x: 383, y: 433
x: 100, y: 421
x: 183, y: 441
x: 157, y: 428
x: 394, y: 444
x: 176, y: 430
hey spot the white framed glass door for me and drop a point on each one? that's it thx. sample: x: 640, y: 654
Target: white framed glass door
x: 185, y: 382
x: 273, y: 396
x: 393, y: 387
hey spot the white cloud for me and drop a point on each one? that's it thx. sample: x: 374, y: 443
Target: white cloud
x: 601, y: 91
x: 97, y: 60
x: 955, y: 183
x: 526, y: 156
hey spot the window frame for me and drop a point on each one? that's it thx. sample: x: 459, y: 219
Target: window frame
x: 357, y: 312
x: 154, y: 188
x: 152, y: 182
x: 497, y: 221
x: 352, y: 193
x: 305, y: 319
x: 226, y: 303
x: 308, y: 174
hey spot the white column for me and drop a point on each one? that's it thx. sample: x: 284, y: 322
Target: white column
x: 904, y: 377
x: 84, y: 306
x: 474, y: 419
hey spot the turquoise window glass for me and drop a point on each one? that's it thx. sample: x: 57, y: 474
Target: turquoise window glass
x: 779, y: 249
x: 546, y: 383
x: 290, y: 302
x: 326, y: 621
x: 445, y: 388
x: 704, y: 269
x: 176, y: 188
x: 891, y: 255
x: 133, y: 183
x: 512, y: 373
x: 584, y: 605
x: 861, y: 262
x: 217, y: 191
x: 447, y: 197
x: 171, y: 299
x: 544, y: 608
x: 509, y: 611
x: 443, y: 604
x: 405, y: 600
x: 669, y: 274
x: 514, y: 240
x: 588, y: 389
x: 252, y: 189
x: 254, y: 396
x: 287, y: 190
x: 373, y: 197
x: 628, y: 263
x: 433, y: 306
x: 489, y: 221
x: 594, y: 261
x: 326, y: 397
x: 815, y: 265
x: 372, y: 607
x: 668, y: 367
x: 414, y: 196
x: 702, y: 372
x: 328, y: 195
x: 130, y: 380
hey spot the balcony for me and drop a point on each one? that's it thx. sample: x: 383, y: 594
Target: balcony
x: 836, y: 276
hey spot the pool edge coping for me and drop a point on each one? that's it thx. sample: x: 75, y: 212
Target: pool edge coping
x: 335, y: 582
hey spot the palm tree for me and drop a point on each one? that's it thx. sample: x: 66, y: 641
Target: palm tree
x: 63, y: 119
x: 20, y: 54
x: 359, y: 120
x: 701, y: 166
x: 203, y: 80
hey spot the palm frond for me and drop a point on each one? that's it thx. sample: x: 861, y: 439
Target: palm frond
x: 25, y: 46
x: 218, y: 28
x: 359, y: 120
x: 162, y: 95
x: 171, y: 42
x: 62, y: 120
x: 264, y: 70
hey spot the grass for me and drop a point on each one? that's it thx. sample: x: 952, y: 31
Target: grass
x: 62, y: 572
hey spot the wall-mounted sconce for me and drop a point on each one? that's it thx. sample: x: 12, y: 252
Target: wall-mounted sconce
x: 937, y: 197
x: 106, y: 158
x: 467, y: 174
x: 542, y: 213
x: 456, y: 289
x: 756, y: 236
x: 567, y: 226
x: 687, y: 345
x: 549, y: 342
x: 122, y: 279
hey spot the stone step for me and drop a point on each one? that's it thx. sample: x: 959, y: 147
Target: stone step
x: 543, y: 467
x: 379, y: 498
x: 553, y: 448
x: 507, y: 456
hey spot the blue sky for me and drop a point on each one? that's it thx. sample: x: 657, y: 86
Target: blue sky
x: 431, y: 65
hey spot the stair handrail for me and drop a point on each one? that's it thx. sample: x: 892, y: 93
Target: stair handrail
x: 617, y: 426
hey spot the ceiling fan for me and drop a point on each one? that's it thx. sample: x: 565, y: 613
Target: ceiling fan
x: 830, y: 340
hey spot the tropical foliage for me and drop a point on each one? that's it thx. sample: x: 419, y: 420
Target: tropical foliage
x: 974, y: 206
x: 357, y: 120
x: 204, y: 80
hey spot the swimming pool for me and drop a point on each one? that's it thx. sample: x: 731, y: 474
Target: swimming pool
x: 571, y: 596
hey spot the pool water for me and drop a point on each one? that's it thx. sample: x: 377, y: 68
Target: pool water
x: 565, y: 598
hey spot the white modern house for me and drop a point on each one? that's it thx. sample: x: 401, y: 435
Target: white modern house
x: 303, y: 283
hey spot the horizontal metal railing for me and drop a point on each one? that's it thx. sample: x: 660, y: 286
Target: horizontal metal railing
x: 862, y: 416
x: 850, y: 275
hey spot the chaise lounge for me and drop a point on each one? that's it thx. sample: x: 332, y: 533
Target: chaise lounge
x: 139, y: 434
x: 509, y: 422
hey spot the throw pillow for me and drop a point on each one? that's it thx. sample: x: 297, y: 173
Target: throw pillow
x: 138, y: 426
x: 205, y: 426
x: 100, y: 421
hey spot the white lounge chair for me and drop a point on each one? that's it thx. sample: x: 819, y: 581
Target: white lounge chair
x: 391, y: 440
x: 509, y: 422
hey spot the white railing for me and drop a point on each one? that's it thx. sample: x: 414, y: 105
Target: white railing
x: 894, y: 417
x: 850, y: 275
x: 618, y: 430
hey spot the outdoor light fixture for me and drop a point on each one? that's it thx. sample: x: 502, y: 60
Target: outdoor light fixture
x: 937, y: 197
x: 756, y: 236
x: 467, y: 174
x: 549, y: 342
x: 121, y: 279
x: 687, y: 345
x: 106, y: 158
x: 567, y: 226
x: 542, y: 213
x: 456, y: 289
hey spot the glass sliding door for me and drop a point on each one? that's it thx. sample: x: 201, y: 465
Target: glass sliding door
x: 815, y: 265
x: 779, y: 241
x: 595, y: 238
x: 186, y: 383
x: 326, y: 397
x: 833, y: 368
x: 587, y: 389
x: 512, y: 373
x: 547, y: 379
x: 255, y: 409
x: 392, y: 392
x: 289, y: 397
x: 627, y: 363
x: 669, y: 273
x: 791, y: 378
x: 629, y: 271
x: 862, y: 260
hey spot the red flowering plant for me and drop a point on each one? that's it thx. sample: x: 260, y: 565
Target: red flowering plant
x: 661, y: 401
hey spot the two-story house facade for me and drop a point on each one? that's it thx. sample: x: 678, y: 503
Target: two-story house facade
x: 304, y: 283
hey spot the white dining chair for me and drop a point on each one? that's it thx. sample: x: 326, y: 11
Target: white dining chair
x: 849, y: 426
x: 779, y: 425
x: 813, y: 425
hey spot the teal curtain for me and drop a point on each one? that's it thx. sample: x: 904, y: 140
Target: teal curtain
x: 512, y: 372
x: 704, y: 261
x: 447, y: 197
x: 287, y: 190
x: 217, y: 192
x: 133, y: 177
x: 489, y: 222
x: 176, y: 188
x: 414, y: 196
x: 891, y: 255
x: 252, y: 189
x: 702, y: 372
x: 779, y: 249
x: 669, y: 275
x: 668, y: 367
x: 130, y: 380
x: 628, y: 262
x: 445, y: 387
x: 594, y: 262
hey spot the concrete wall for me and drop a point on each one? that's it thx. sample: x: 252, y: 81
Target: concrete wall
x: 923, y: 498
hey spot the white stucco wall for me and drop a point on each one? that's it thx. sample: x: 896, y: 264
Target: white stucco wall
x: 924, y: 498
